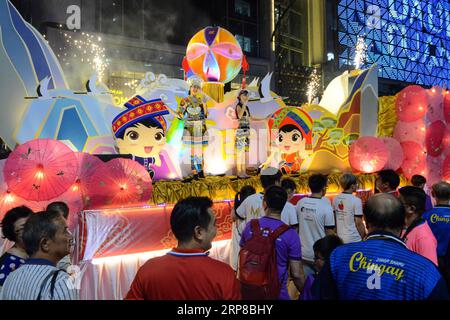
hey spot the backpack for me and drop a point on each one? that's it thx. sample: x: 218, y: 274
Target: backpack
x: 258, y: 272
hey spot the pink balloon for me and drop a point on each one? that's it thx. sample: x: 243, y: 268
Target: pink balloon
x: 435, y: 105
x: 395, y: 158
x: 447, y: 107
x: 414, y: 159
x: 410, y: 131
x: 434, y: 138
x: 411, y: 103
x: 368, y: 154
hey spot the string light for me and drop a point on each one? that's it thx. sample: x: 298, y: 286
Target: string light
x: 313, y: 86
x: 40, y: 172
x: 361, y: 52
x: 84, y: 49
x: 9, y: 197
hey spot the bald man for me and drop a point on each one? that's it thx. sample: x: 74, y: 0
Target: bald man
x: 381, y: 267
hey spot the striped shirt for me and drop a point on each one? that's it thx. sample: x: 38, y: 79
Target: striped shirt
x: 25, y: 283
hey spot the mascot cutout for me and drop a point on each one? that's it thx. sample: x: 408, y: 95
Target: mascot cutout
x: 140, y: 130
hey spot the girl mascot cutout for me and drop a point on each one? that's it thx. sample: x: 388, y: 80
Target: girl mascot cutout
x: 290, y: 131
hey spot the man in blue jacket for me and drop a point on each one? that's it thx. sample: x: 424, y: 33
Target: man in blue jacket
x: 382, y: 267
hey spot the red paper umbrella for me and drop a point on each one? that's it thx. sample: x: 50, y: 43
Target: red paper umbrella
x: 41, y: 169
x: 119, y: 182
x: 411, y: 103
x: 414, y: 159
x: 368, y: 154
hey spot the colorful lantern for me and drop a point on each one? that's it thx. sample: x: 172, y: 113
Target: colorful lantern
x: 434, y: 139
x: 411, y: 103
x: 414, y: 159
x: 368, y: 154
x: 395, y: 158
x: 214, y: 55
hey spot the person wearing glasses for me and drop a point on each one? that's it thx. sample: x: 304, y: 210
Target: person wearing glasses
x: 12, y: 230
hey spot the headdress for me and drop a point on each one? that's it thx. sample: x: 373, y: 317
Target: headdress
x: 294, y: 116
x: 139, y: 109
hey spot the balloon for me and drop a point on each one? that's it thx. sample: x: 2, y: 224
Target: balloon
x: 411, y: 103
x: 395, y: 158
x: 410, y: 131
x: 435, y: 105
x: 414, y: 159
x: 434, y: 138
x: 368, y: 154
x: 214, y: 54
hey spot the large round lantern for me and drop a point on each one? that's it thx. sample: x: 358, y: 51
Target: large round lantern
x: 214, y: 55
x: 368, y: 154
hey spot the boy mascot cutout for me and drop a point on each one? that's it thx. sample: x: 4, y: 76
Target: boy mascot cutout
x: 290, y: 132
x: 140, y: 130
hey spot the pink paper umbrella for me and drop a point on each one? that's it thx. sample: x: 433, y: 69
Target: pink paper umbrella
x: 41, y: 169
x: 87, y: 166
x: 434, y: 139
x: 414, y: 159
x: 434, y: 169
x: 411, y: 103
x: 410, y: 131
x: 395, y: 158
x: 120, y: 182
x: 446, y: 169
x: 447, y: 107
x: 368, y: 154
x: 435, y: 105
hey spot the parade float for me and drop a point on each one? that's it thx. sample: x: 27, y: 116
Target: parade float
x: 120, y: 208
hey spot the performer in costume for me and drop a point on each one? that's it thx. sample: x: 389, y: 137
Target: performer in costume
x: 291, y: 131
x: 242, y: 144
x: 195, y: 136
x: 140, y: 130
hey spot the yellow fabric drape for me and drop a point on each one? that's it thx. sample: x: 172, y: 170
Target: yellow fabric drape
x: 387, y: 117
x: 225, y: 188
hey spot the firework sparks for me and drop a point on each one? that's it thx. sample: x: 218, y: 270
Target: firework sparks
x: 313, y: 86
x: 84, y: 49
x: 361, y: 52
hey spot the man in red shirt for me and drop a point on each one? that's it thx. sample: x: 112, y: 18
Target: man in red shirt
x: 186, y: 272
